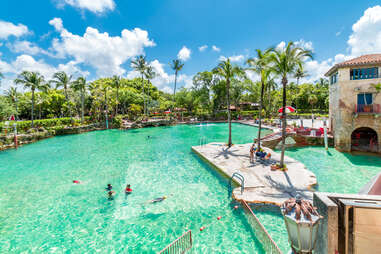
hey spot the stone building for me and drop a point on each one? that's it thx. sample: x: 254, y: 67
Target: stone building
x: 354, y: 104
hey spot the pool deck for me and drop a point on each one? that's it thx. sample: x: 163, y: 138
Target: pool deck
x: 262, y: 185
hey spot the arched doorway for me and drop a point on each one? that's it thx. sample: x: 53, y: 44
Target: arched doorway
x: 364, y: 139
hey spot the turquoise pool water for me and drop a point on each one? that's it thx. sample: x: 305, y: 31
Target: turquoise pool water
x: 335, y: 171
x: 41, y: 211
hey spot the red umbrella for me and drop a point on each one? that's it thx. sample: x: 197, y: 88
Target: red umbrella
x: 288, y: 110
x: 167, y: 112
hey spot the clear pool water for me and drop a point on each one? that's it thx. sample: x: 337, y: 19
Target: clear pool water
x: 41, y: 211
x: 335, y: 171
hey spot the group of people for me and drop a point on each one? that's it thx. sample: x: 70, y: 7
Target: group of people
x: 259, y: 153
x: 127, y: 190
x: 111, y: 193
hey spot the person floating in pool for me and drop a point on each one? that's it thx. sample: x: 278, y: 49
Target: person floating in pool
x: 77, y: 181
x: 128, y: 189
x: 156, y: 200
x: 109, y: 187
x: 110, y: 195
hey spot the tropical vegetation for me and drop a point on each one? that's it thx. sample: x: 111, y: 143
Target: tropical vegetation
x: 223, y: 93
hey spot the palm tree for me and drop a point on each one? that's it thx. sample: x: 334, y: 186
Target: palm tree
x: 260, y: 65
x: 300, y: 73
x: 176, y: 65
x: 12, y: 95
x: 285, y: 61
x: 106, y: 87
x: 61, y: 79
x: 140, y: 65
x: 312, y: 99
x: 35, y: 81
x: 79, y: 85
x: 227, y: 71
x: 116, y: 82
x: 149, y: 74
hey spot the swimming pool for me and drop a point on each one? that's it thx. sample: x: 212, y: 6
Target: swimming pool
x: 42, y: 211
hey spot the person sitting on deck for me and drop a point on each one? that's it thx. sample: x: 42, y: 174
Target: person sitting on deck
x: 261, y: 154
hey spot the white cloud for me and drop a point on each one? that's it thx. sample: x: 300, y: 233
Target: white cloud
x: 184, y: 54
x: 164, y: 81
x: 365, y: 39
x: 96, y: 6
x: 9, y: 29
x: 100, y: 50
x: 25, y: 47
x: 236, y: 58
x: 214, y: 48
x: 202, y: 48
x: 366, y: 35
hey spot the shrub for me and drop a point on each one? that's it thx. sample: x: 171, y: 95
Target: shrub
x: 23, y: 126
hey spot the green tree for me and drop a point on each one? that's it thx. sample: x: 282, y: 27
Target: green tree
x: 300, y: 73
x: 312, y: 99
x: 61, y: 79
x: 116, y: 83
x: 227, y: 72
x: 260, y: 65
x: 12, y: 95
x: 285, y: 61
x: 149, y: 74
x: 176, y: 65
x: 33, y: 81
x: 79, y: 85
x: 140, y: 65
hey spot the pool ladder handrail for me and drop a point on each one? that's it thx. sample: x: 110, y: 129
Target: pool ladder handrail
x: 203, y: 141
x: 239, y: 177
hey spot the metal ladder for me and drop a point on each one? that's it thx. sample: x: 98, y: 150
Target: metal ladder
x: 203, y: 141
x: 239, y: 177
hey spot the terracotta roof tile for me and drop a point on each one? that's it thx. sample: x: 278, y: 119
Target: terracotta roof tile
x: 358, y: 61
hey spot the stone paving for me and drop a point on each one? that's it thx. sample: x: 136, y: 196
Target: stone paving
x: 262, y: 185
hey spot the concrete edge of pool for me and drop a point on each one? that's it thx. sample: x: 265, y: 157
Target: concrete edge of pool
x: 262, y: 186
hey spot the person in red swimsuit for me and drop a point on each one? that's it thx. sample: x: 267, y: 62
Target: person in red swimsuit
x: 128, y: 189
x: 76, y: 181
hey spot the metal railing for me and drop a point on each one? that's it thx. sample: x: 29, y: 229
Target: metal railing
x: 371, y: 108
x: 239, y: 177
x: 203, y: 141
x: 180, y: 245
x: 261, y: 233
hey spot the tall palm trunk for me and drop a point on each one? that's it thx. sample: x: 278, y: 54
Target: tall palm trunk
x: 117, y: 100
x: 174, y: 90
x: 260, y: 115
x: 284, y: 82
x: 144, y: 97
x: 82, y: 106
x: 32, y: 107
x: 67, y: 100
x: 229, y: 115
x: 106, y: 106
x: 17, y: 111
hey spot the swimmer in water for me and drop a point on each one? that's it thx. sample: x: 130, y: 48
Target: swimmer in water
x: 111, y: 195
x: 109, y: 187
x: 158, y: 199
x: 128, y: 189
x: 77, y: 182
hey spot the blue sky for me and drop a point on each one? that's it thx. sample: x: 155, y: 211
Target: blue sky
x: 51, y: 35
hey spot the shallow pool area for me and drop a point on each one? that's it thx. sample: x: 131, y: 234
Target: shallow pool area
x: 42, y: 211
